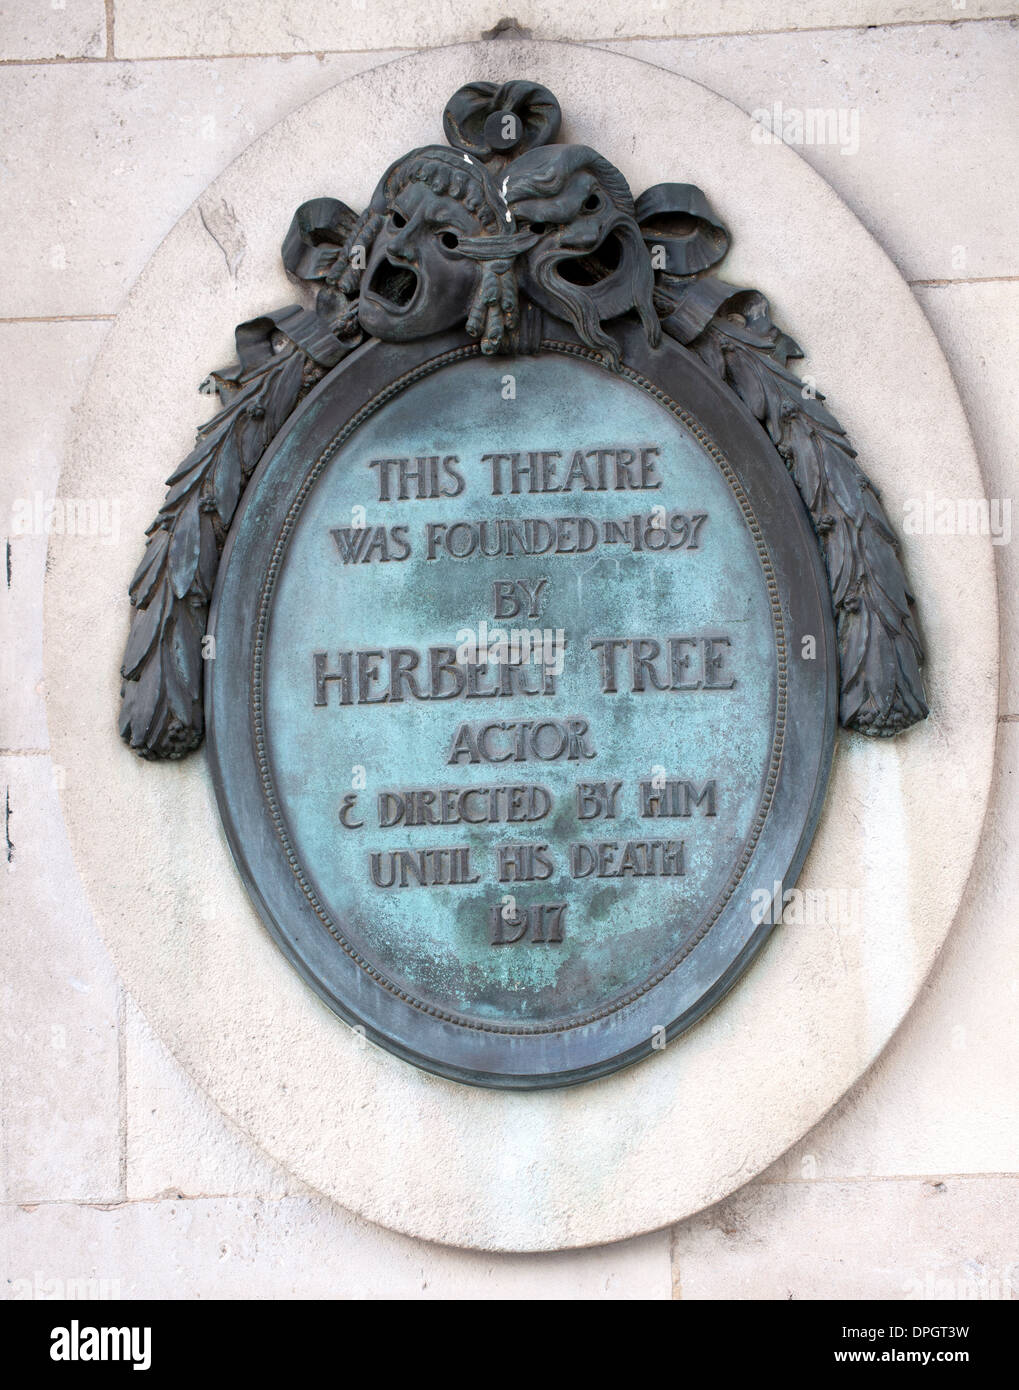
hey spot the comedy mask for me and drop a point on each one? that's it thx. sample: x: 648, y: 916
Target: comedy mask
x: 417, y: 280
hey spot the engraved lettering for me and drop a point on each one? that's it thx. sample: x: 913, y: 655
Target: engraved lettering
x: 677, y: 797
x: 520, y: 740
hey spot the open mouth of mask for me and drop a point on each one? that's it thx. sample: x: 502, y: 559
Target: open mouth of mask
x: 396, y: 284
x: 593, y: 267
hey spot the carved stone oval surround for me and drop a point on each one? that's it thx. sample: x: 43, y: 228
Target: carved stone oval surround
x: 652, y: 1144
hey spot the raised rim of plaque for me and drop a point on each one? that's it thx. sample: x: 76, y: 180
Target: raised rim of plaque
x: 724, y: 943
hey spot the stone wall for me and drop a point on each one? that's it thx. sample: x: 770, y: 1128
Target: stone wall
x: 116, y: 1167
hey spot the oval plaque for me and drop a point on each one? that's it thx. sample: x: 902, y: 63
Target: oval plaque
x: 524, y: 699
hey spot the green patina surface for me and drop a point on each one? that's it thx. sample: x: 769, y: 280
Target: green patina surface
x: 436, y: 941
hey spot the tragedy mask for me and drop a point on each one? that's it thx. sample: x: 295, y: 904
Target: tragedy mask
x: 589, y: 263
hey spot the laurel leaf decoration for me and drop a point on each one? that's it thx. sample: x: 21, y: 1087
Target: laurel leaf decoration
x: 161, y: 713
x: 881, y: 655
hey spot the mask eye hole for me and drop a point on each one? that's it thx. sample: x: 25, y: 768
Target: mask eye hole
x: 538, y: 227
x: 397, y: 219
x: 450, y: 240
x: 592, y: 202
